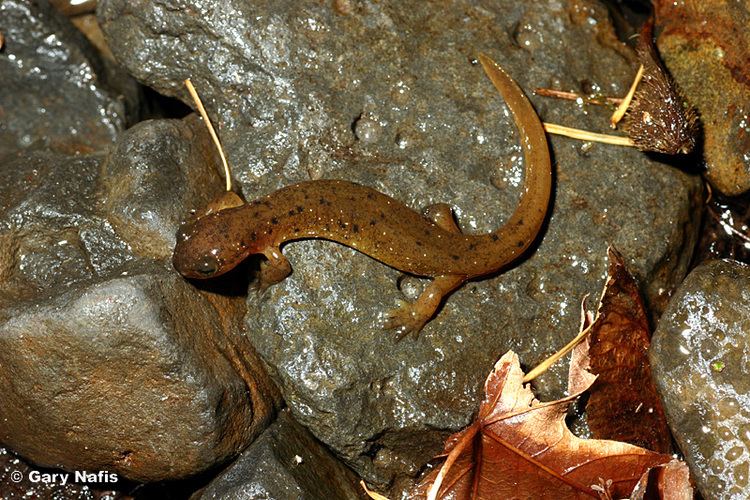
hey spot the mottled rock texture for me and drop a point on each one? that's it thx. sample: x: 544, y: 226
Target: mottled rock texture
x: 285, y: 463
x: 705, y: 45
x: 124, y: 365
x: 699, y: 357
x: 55, y: 90
x: 388, y: 94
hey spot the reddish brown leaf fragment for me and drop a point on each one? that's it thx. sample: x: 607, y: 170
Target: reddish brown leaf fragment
x: 670, y: 481
x: 580, y: 377
x: 623, y: 404
x: 521, y: 448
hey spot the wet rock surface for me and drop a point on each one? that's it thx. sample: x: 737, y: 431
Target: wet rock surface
x: 699, y: 358
x: 726, y: 230
x: 124, y: 365
x: 705, y: 46
x: 55, y: 90
x: 285, y: 463
x: 388, y: 95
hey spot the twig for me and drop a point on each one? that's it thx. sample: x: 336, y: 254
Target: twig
x: 623, y: 107
x: 204, y: 115
x: 585, y: 135
x: 544, y: 365
x: 572, y: 96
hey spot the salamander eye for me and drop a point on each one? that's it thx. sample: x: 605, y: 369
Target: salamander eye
x: 208, y: 265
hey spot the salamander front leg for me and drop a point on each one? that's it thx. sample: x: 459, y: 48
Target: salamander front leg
x: 442, y: 215
x: 410, y: 317
x: 273, y: 270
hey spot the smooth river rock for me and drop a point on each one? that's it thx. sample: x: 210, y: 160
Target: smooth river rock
x: 388, y: 94
x: 704, y: 43
x: 699, y: 357
x: 113, y: 361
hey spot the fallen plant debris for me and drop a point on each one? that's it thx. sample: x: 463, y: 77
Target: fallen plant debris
x: 658, y: 118
x: 519, y: 447
x: 623, y: 404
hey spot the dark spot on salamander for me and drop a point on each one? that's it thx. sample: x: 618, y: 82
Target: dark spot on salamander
x: 472, y: 246
x: 253, y: 236
x: 370, y: 196
x: 274, y: 220
x: 355, y: 228
x: 427, y: 232
x: 494, y: 237
x: 300, y: 209
x: 291, y: 212
x: 341, y: 224
x: 382, y: 215
x: 266, y: 203
x: 373, y: 222
x: 519, y: 223
x: 296, y: 230
x: 418, y: 243
x: 520, y: 244
x: 455, y: 257
x: 322, y: 201
x: 256, y: 213
x: 327, y: 228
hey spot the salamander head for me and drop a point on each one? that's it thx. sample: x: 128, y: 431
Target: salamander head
x: 209, y: 246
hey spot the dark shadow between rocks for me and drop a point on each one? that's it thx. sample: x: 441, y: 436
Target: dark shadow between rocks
x: 691, y: 163
x: 235, y: 283
x: 156, y: 105
x: 175, y: 490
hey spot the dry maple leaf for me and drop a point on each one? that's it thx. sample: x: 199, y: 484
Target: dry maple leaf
x: 623, y: 403
x: 520, y: 448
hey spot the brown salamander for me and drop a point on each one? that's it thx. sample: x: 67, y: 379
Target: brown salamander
x: 377, y: 225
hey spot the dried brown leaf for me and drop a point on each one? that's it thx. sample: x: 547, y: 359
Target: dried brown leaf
x: 623, y: 403
x: 520, y: 448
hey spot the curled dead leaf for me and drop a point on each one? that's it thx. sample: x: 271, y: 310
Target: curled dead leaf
x: 519, y: 447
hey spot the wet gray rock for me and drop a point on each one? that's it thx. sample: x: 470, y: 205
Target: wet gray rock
x: 124, y: 365
x: 55, y: 90
x: 285, y: 462
x: 699, y: 358
x: 389, y: 95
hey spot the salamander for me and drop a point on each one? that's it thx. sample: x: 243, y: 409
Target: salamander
x: 376, y: 225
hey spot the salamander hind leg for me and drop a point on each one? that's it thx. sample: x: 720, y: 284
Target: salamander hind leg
x: 273, y: 270
x: 410, y: 317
